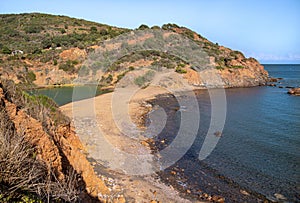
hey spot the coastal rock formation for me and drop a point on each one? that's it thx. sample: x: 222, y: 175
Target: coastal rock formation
x: 294, y: 91
x: 252, y: 74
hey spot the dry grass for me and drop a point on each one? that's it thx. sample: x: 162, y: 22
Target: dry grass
x: 22, y: 173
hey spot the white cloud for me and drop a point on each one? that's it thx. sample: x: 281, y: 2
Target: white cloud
x: 292, y: 57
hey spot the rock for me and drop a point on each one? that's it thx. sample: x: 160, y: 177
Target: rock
x: 279, y: 196
x: 120, y: 199
x: 221, y: 200
x: 280, y: 86
x: 244, y: 192
x: 273, y: 79
x: 73, y: 54
x: 173, y: 172
x: 188, y: 191
x: 215, y: 198
x: 272, y: 85
x: 218, y: 133
x: 294, y: 91
x: 144, y: 143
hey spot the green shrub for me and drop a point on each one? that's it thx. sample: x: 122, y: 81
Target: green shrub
x: 155, y: 27
x: 37, y: 51
x: 119, y: 77
x: 237, y: 67
x: 6, y: 50
x: 219, y: 68
x: 33, y: 29
x: 46, y: 43
x: 169, y: 26
x: 62, y: 31
x: 143, y: 27
x: 55, y: 62
x: 103, y: 32
x: 93, y: 29
x: 31, y: 76
x: 180, y: 70
x: 142, y: 80
x: 76, y: 23
x: 68, y: 66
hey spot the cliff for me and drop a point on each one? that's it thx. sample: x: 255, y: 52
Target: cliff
x: 40, y: 153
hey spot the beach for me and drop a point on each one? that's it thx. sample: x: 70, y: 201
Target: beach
x: 138, y: 188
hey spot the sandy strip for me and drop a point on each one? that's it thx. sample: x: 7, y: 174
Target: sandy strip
x: 134, y: 188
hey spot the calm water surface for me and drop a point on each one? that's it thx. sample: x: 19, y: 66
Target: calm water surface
x: 259, y: 147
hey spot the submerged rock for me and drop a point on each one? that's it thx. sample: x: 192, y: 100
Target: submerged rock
x: 294, y: 91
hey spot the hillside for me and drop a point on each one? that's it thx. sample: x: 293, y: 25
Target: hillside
x: 46, y: 50
x: 42, y: 158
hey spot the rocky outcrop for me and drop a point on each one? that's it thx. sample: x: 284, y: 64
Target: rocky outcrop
x: 49, y: 131
x: 248, y: 73
x: 73, y: 54
x: 294, y: 91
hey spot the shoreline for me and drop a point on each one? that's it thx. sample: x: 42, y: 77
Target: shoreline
x: 140, y: 189
x: 181, y: 177
x: 139, y: 110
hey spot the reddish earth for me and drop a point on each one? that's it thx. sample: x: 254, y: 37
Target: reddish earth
x: 54, y: 144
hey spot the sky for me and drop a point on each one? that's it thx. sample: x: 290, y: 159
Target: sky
x: 268, y: 30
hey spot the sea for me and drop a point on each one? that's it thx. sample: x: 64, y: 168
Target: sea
x: 257, y: 157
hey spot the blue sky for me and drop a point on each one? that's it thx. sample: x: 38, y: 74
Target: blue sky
x: 267, y: 29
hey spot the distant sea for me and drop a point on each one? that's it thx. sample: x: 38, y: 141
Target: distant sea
x: 258, y: 152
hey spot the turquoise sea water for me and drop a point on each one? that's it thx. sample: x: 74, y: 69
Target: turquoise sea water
x: 64, y: 95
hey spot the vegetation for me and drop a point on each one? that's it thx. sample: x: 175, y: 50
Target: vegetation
x: 28, y: 32
x: 43, y: 37
x: 169, y: 26
x: 143, y: 27
x: 6, y: 50
x: 237, y: 67
x: 23, y: 176
x: 31, y: 76
x: 143, y: 80
x: 155, y: 27
x: 68, y: 66
x: 180, y: 69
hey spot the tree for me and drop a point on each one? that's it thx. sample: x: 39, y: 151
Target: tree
x: 143, y: 27
x: 155, y: 27
x: 169, y: 26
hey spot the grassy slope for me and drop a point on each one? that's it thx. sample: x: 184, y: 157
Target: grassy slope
x: 36, y: 34
x: 34, y: 31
